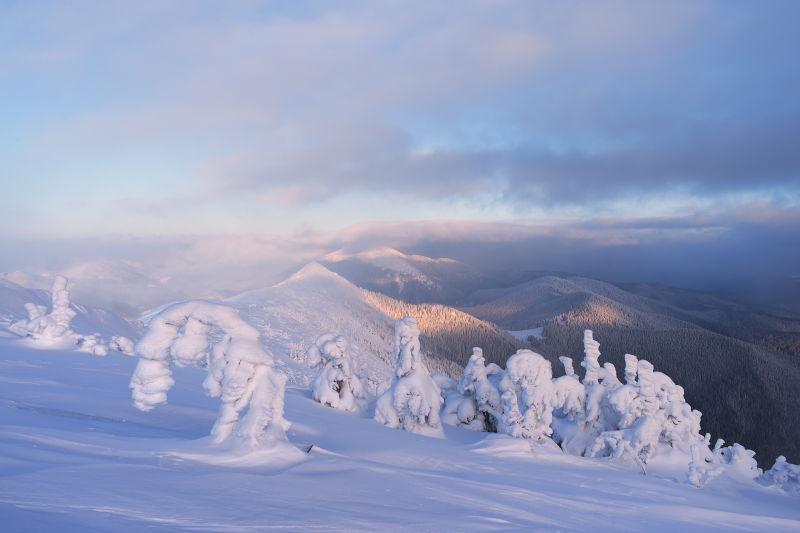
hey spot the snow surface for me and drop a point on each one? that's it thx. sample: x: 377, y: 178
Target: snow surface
x: 75, y: 455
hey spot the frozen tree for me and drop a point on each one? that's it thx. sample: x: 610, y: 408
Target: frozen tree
x: 527, y: 396
x: 52, y: 327
x: 476, y: 402
x: 591, y: 364
x: 569, y: 394
x: 413, y: 401
x: 734, y: 461
x: 702, y: 466
x: 631, y: 369
x: 240, y: 370
x: 336, y: 385
x: 784, y: 475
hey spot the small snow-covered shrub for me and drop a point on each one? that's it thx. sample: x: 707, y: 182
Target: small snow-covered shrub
x: 240, y: 370
x: 336, y: 385
x: 784, y: 475
x: 414, y: 400
x: 734, y: 461
x: 475, y: 402
x: 527, y: 396
x: 53, y: 327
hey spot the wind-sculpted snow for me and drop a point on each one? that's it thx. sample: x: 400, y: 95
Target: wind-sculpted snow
x: 336, y: 385
x: 414, y: 400
x: 240, y: 370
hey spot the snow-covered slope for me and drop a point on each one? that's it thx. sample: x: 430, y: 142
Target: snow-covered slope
x: 313, y: 301
x: 75, y: 456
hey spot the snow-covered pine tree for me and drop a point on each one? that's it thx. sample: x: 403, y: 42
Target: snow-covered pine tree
x: 527, y: 396
x: 336, y: 385
x: 414, y: 400
x: 475, y: 404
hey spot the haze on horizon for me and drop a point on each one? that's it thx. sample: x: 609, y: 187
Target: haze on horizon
x: 647, y: 140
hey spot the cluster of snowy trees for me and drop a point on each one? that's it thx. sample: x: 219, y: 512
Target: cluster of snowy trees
x: 53, y: 328
x: 733, y: 383
x: 597, y: 416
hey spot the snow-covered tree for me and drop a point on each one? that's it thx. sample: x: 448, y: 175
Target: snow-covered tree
x: 52, y: 327
x: 336, y: 385
x: 475, y: 404
x: 240, y: 370
x: 569, y: 394
x: 527, y: 396
x: 784, y: 475
x: 413, y: 401
x: 734, y: 461
x: 702, y: 466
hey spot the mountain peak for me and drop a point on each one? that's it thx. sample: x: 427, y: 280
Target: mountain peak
x: 313, y: 271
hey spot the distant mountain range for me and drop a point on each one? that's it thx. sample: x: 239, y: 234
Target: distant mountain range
x: 740, y: 366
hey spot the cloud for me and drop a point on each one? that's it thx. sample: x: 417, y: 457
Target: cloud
x: 179, y: 119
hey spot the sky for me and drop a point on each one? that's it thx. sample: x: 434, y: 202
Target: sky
x: 313, y: 123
